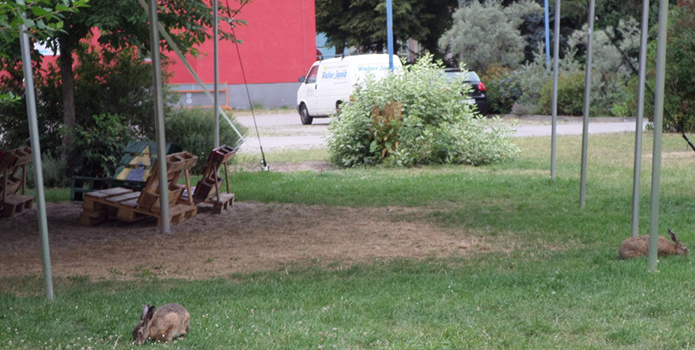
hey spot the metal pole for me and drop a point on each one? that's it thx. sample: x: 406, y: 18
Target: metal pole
x: 556, y: 72
x: 389, y: 32
x: 587, y: 104
x: 36, y: 157
x: 159, y: 119
x: 640, y: 119
x: 547, y: 36
x: 658, y: 129
x: 215, y: 30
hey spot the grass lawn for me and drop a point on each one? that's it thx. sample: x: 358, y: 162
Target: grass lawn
x: 555, y: 282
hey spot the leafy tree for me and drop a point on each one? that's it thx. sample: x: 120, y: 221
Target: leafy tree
x: 610, y: 74
x: 485, y: 35
x: 44, y: 19
x: 116, y: 82
x: 123, y: 24
x: 362, y: 23
x: 680, y: 67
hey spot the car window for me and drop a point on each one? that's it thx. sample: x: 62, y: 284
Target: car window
x: 453, y: 75
x: 471, y: 76
x: 313, y: 73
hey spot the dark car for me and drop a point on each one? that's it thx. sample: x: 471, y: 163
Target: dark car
x: 478, y: 92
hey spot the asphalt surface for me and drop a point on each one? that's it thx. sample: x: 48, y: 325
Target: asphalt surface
x: 285, y: 131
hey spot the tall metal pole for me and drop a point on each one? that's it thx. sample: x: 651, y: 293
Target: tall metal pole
x: 640, y: 119
x: 547, y: 35
x: 587, y: 104
x: 159, y: 119
x: 215, y: 30
x: 389, y: 32
x: 36, y: 157
x: 658, y: 129
x: 556, y: 72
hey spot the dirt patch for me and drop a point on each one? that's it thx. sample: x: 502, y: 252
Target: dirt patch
x: 249, y: 237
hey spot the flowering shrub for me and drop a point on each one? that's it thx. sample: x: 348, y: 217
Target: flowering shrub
x: 416, y: 117
x: 503, y: 90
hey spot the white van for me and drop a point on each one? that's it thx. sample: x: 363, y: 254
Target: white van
x: 329, y: 83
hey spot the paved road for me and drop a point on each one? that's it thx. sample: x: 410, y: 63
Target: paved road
x: 285, y: 131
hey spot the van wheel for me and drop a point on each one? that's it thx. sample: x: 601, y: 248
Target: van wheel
x: 304, y: 115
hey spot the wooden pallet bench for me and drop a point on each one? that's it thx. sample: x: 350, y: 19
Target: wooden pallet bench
x: 132, y: 171
x: 13, y: 177
x: 17, y: 204
x: 129, y: 205
x: 208, y: 189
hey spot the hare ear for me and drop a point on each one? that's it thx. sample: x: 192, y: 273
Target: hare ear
x: 673, y: 236
x: 150, y: 313
x: 145, y: 310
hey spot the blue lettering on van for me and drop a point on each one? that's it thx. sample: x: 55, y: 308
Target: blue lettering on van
x: 334, y: 75
x: 367, y: 68
x: 373, y: 68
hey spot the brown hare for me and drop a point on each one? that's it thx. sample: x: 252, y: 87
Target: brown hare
x: 639, y: 246
x: 164, y: 324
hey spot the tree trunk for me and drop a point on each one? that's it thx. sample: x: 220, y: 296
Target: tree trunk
x: 68, y: 82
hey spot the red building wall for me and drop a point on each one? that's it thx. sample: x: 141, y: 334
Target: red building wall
x: 279, y: 45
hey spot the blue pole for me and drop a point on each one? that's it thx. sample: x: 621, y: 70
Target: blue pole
x: 547, y: 37
x: 389, y: 31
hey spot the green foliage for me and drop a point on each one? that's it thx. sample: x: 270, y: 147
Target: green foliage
x: 533, y: 75
x: 53, y: 174
x: 485, y: 35
x: 124, y: 23
x: 503, y: 90
x: 361, y: 24
x: 570, y: 95
x: 680, y: 69
x: 98, y: 146
x: 44, y: 19
x: 194, y: 129
x: 415, y: 117
x: 609, y: 79
x: 107, y: 81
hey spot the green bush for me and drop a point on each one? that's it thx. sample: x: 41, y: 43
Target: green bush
x: 415, y: 117
x: 570, y: 95
x: 53, y: 172
x: 194, y: 129
x: 503, y: 90
x: 98, y: 146
x: 679, y: 89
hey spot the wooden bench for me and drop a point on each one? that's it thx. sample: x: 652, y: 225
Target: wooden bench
x: 132, y: 171
x: 13, y: 177
x: 208, y: 188
x: 129, y: 205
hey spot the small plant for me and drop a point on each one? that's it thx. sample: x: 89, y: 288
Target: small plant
x: 53, y: 172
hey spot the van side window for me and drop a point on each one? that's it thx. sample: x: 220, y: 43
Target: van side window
x: 313, y: 73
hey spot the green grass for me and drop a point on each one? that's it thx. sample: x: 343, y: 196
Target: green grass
x: 556, y: 282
